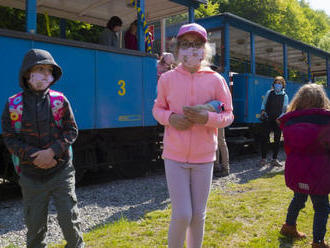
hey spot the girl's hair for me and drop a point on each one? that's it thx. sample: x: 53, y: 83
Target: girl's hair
x: 281, y: 80
x: 131, y: 25
x: 113, y: 22
x: 310, y: 96
x: 207, y: 52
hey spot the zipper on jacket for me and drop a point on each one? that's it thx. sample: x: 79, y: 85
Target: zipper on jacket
x: 190, y: 131
x: 37, y: 120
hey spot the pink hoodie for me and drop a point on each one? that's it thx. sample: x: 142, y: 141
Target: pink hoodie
x: 178, y: 88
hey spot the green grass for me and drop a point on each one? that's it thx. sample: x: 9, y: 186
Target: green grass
x: 241, y: 216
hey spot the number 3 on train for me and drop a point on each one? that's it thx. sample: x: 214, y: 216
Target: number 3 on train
x: 122, y: 90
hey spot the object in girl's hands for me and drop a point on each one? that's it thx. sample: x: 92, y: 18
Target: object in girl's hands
x: 212, y: 106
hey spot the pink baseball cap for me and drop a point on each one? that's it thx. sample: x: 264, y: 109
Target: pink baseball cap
x: 193, y: 28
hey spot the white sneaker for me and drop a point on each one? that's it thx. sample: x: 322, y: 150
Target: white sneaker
x: 276, y: 163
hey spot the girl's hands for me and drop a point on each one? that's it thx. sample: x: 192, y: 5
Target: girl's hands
x: 180, y: 122
x: 195, y: 115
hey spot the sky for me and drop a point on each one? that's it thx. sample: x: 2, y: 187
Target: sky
x: 321, y: 5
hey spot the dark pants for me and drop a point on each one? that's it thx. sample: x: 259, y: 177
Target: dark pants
x: 267, y: 128
x: 321, y: 211
x: 36, y: 196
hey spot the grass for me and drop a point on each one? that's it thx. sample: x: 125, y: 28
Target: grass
x: 241, y: 216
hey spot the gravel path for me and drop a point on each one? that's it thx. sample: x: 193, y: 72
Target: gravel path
x: 107, y: 202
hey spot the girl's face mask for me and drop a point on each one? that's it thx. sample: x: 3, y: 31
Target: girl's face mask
x: 278, y: 87
x: 40, y: 81
x: 191, y: 57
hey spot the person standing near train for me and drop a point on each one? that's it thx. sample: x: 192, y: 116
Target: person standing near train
x: 306, y: 131
x: 273, y: 105
x: 38, y: 129
x: 110, y: 35
x: 130, y: 37
x: 190, y: 138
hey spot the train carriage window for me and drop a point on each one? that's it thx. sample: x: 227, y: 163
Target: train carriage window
x: 215, y: 41
x: 297, y: 65
x: 318, y: 70
x: 268, y: 57
x: 268, y: 54
x: 239, y: 51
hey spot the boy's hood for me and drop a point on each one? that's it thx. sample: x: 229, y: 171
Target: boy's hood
x: 38, y: 57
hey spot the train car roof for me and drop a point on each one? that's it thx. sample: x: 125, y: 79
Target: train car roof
x: 99, y: 11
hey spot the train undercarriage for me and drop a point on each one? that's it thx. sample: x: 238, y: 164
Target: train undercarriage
x: 129, y: 152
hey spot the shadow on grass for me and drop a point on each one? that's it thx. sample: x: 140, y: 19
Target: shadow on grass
x: 273, y: 174
x: 285, y: 242
x: 247, y: 169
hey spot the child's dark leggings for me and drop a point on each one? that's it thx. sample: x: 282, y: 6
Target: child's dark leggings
x: 321, y: 211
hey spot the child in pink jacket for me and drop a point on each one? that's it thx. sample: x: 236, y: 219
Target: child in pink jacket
x: 190, y: 139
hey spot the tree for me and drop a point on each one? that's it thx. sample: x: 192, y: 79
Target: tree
x: 320, y: 22
x: 290, y: 17
x: 209, y: 9
x: 324, y: 42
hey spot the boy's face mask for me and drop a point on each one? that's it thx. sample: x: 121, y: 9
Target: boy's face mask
x: 278, y: 87
x: 40, y: 81
x: 191, y: 57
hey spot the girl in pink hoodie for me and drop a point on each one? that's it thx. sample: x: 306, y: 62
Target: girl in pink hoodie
x: 190, y: 139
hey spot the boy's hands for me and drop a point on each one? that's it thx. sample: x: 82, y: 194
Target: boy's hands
x: 180, y: 122
x: 198, y: 116
x: 52, y: 164
x: 44, y: 159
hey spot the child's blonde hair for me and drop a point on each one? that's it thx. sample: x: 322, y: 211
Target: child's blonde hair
x: 310, y: 96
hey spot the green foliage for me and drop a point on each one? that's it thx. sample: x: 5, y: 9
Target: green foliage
x: 324, y: 42
x: 290, y: 17
x: 210, y: 9
x: 14, y: 19
x: 81, y: 31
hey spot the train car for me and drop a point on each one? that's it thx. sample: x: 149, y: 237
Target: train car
x: 249, y: 56
x: 111, y: 90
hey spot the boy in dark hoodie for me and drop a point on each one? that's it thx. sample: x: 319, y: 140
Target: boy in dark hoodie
x: 38, y: 130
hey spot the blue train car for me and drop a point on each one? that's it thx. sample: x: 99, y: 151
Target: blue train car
x: 249, y: 56
x: 111, y: 90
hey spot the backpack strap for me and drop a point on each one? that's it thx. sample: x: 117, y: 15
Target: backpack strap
x: 57, y: 106
x: 15, y: 112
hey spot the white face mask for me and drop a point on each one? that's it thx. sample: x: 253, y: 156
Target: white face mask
x: 40, y: 81
x: 191, y: 57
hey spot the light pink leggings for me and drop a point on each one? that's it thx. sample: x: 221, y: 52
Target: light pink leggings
x: 189, y: 187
